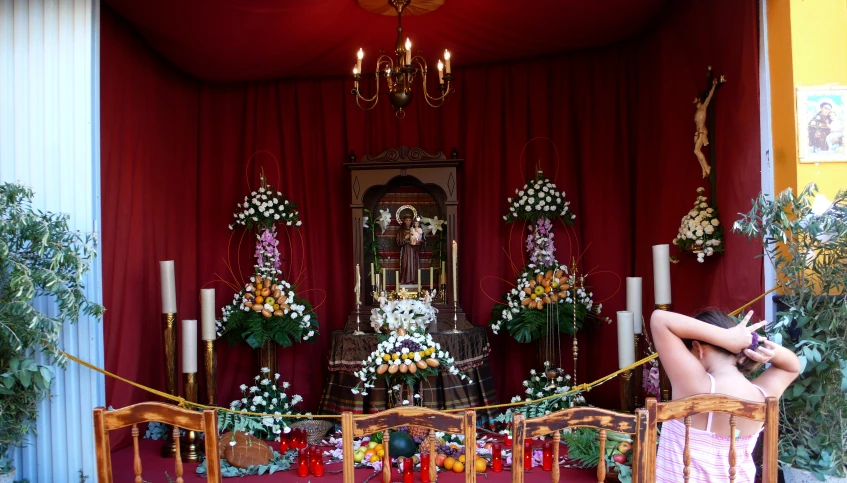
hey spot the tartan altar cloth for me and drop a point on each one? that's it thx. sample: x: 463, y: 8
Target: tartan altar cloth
x: 470, y: 349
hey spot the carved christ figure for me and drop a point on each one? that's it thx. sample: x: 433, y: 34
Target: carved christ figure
x: 410, y: 240
x: 701, y: 136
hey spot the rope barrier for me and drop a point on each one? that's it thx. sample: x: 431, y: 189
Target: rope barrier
x: 585, y: 387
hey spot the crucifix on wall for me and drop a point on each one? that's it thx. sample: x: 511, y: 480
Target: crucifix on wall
x: 704, y: 106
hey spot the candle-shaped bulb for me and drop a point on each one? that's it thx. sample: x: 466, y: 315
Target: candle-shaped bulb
x: 440, y: 65
x: 447, y: 61
x: 408, y: 51
x: 440, y: 72
x: 359, y: 56
x: 355, y: 70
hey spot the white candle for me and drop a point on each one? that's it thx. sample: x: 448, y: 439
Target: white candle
x: 440, y: 72
x: 189, y: 346
x: 359, y: 56
x: 358, y: 285
x: 372, y: 274
x: 633, y: 301
x: 661, y: 274
x: 408, y: 52
x: 626, y: 340
x: 447, y: 61
x: 207, y: 314
x: 455, y: 272
x: 419, y: 281
x: 166, y: 271
x: 431, y: 282
x: 397, y: 281
x: 384, y: 280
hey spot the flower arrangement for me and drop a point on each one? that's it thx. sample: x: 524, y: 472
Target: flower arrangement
x: 541, y: 289
x: 539, y: 199
x: 552, y: 381
x: 265, y: 208
x: 410, y: 357
x: 700, y: 231
x: 406, y: 314
x: 267, y: 396
x: 650, y: 372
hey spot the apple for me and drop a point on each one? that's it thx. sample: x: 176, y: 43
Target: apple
x: 439, y: 459
x: 624, y: 447
x: 358, y: 456
x: 619, y: 458
x: 372, y: 445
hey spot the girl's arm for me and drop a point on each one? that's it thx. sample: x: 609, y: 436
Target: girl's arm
x: 784, y: 368
x: 685, y: 372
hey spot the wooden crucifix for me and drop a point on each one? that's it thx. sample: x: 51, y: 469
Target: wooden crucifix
x: 704, y: 105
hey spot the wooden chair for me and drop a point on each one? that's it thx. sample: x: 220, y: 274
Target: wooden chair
x: 105, y: 421
x: 767, y: 412
x: 409, y: 416
x: 602, y: 419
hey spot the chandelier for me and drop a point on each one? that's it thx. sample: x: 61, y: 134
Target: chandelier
x: 401, y: 72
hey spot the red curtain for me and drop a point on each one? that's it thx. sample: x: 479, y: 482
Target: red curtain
x: 174, y: 164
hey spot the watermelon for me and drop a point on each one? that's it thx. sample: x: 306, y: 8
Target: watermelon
x: 401, y: 444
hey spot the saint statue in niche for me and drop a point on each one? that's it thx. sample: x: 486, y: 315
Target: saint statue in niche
x: 410, y: 238
x: 701, y: 136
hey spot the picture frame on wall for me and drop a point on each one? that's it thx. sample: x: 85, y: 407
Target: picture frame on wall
x: 821, y: 123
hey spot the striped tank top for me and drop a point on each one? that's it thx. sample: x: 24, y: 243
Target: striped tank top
x: 709, y: 453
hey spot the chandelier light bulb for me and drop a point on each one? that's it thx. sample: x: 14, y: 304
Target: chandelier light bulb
x: 355, y: 70
x: 440, y: 72
x: 446, y: 61
x: 359, y: 56
x: 408, y: 51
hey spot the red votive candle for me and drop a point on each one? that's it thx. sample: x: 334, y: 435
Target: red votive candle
x: 283, y: 443
x: 507, y: 443
x: 547, y: 459
x: 303, y: 462
x: 496, y: 458
x: 317, y: 462
x: 425, y: 467
x: 527, y: 454
x: 408, y: 476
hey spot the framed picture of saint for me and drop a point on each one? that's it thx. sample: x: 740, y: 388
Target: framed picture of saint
x: 820, y: 124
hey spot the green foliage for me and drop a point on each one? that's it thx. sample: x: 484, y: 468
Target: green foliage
x: 371, y: 244
x: 584, y: 449
x: 529, y: 325
x: 809, y: 252
x: 40, y: 256
x: 279, y: 462
x: 255, y: 329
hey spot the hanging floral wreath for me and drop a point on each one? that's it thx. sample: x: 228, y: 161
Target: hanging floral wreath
x: 700, y: 231
x: 539, y: 199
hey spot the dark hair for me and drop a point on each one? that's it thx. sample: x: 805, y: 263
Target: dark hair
x: 720, y: 319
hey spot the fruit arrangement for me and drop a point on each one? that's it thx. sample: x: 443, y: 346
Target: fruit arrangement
x: 409, y: 356
x: 545, y: 289
x: 456, y: 461
x: 267, y: 297
x: 584, y: 449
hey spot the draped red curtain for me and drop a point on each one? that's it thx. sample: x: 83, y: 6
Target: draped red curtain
x: 615, y: 128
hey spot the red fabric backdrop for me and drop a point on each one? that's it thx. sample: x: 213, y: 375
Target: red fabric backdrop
x: 174, y: 152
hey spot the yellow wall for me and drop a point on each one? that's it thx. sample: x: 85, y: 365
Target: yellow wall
x: 807, y: 45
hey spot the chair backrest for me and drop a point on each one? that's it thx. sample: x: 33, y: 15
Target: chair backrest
x: 767, y: 412
x: 105, y: 421
x: 464, y: 423
x: 602, y: 419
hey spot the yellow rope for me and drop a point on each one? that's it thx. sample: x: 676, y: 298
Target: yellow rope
x: 574, y: 390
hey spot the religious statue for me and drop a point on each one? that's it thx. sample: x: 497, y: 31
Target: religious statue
x: 701, y: 136
x: 410, y: 237
x: 819, y: 128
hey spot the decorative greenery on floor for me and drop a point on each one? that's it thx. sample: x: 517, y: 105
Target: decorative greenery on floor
x: 279, y: 462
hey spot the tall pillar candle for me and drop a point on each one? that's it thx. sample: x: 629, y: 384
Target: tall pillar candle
x: 397, y: 281
x: 455, y: 272
x: 419, y: 281
x: 208, y: 328
x: 166, y: 272
x: 384, y: 280
x: 626, y: 339
x: 662, y: 274
x: 372, y: 274
x: 358, y: 285
x: 431, y: 282
x: 189, y: 346
x: 633, y: 301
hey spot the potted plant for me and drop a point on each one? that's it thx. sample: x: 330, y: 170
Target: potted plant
x: 40, y: 256
x: 807, y: 245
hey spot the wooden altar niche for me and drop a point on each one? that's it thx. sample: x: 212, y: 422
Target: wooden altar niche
x: 374, y: 176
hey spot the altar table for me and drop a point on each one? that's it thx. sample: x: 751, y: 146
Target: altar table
x: 470, y: 349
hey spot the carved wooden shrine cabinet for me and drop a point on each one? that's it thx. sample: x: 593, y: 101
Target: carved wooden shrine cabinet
x: 399, y: 181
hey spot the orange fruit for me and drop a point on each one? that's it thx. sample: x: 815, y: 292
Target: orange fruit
x: 380, y: 452
x: 462, y: 459
x: 374, y: 459
x: 480, y: 465
x: 449, y: 463
x: 260, y: 299
x: 459, y: 467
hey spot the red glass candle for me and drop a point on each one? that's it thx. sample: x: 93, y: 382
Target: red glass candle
x: 547, y: 459
x: 425, y: 467
x: 283, y: 443
x: 407, y: 470
x: 496, y: 458
x: 303, y: 462
x: 508, y: 442
x: 527, y: 454
x: 317, y: 462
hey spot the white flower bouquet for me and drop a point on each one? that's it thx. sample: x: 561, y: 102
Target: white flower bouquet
x: 700, y: 231
x: 539, y: 199
x: 406, y: 314
x: 266, y: 396
x: 410, y: 357
x: 550, y: 382
x: 265, y: 208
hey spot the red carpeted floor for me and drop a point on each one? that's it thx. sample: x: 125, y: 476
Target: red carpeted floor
x: 154, y: 468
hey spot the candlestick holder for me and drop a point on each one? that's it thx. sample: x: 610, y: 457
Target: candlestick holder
x: 210, y: 363
x: 443, y: 294
x: 639, y: 373
x: 358, y: 330
x: 169, y: 344
x: 455, y: 329
x: 189, y: 449
x: 627, y: 401
x: 664, y: 382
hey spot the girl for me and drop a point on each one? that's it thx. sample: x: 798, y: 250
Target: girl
x: 711, y: 354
